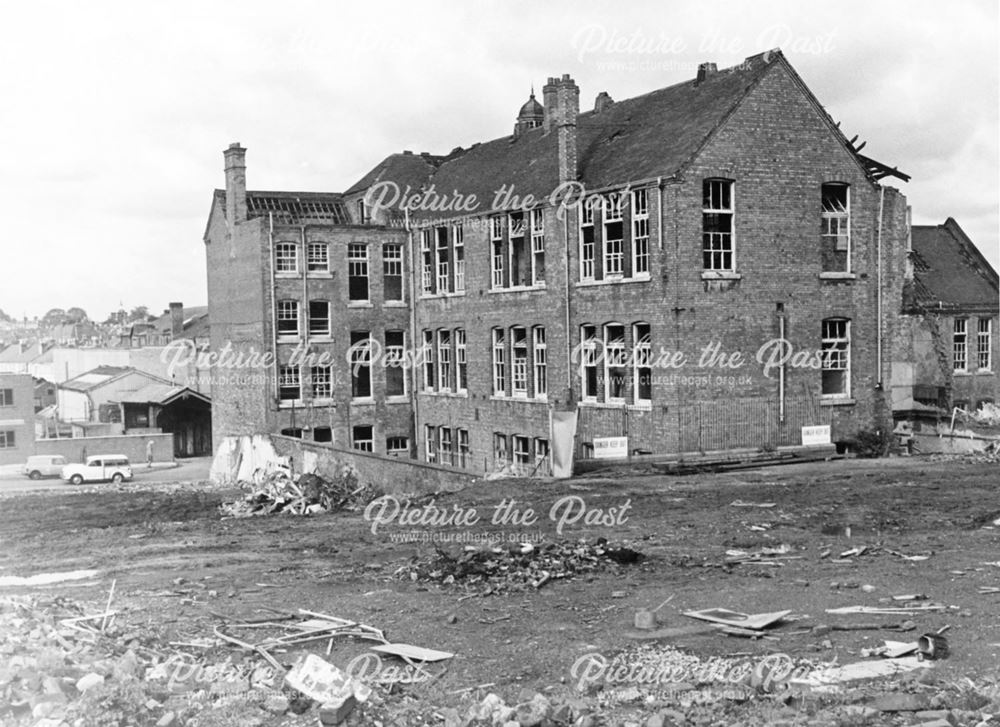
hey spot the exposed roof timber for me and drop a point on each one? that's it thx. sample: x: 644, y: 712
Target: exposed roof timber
x: 878, y: 170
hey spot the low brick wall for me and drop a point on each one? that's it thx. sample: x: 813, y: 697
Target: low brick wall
x: 392, y: 474
x: 132, y: 446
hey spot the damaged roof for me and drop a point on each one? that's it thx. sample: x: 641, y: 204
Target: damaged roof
x: 949, y: 271
x: 293, y: 207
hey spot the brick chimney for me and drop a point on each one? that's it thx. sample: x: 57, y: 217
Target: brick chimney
x: 176, y: 320
x: 704, y: 71
x: 562, y: 106
x: 602, y: 102
x: 236, y: 183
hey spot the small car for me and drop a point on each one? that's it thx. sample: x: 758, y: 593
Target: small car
x: 44, y: 465
x: 99, y: 468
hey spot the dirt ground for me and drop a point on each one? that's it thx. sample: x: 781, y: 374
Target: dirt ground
x: 181, y: 569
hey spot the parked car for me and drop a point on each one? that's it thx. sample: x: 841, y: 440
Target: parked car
x: 44, y: 465
x: 99, y: 468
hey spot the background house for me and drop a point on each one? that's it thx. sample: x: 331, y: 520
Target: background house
x: 17, y: 418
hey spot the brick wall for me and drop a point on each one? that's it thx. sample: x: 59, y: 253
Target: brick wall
x: 132, y: 446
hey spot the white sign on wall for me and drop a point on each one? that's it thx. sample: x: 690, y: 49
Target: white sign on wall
x: 812, y: 436
x: 610, y: 447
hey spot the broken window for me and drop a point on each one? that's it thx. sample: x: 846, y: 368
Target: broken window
x: 540, y: 354
x: 322, y: 382
x: 836, y: 371
x: 615, y: 362
x: 614, y: 243
x: 960, y: 345
x: 497, y: 252
x: 289, y: 383
x: 499, y: 363
x: 444, y: 446
x: 397, y: 446
x: 292, y: 432
x: 322, y: 434
x: 427, y: 353
x: 537, y: 247
x: 587, y: 241
x: 458, y: 233
x: 642, y: 372
x: 983, y: 339
x: 395, y: 375
x: 588, y: 362
x: 461, y: 362
x: 519, y: 366
x: 443, y: 264
x: 640, y: 232
x: 463, y: 448
x: 499, y: 450
x: 521, y: 454
x: 836, y: 227
x: 318, y: 257
x: 286, y: 257
x: 357, y: 272
x: 520, y: 264
x: 444, y: 360
x: 361, y: 364
x: 541, y: 456
x: 717, y: 224
x: 430, y: 443
x: 427, y: 268
x: 363, y: 437
x: 288, y: 318
x: 319, y: 318
x: 392, y: 271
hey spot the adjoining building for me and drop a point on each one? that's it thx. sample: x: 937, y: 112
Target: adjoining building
x: 709, y: 266
x: 17, y: 417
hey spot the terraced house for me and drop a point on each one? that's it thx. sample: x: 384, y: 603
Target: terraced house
x: 709, y: 266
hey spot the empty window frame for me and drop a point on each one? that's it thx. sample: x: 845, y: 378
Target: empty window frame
x: 397, y: 446
x: 984, y: 336
x: 587, y: 244
x: 640, y: 232
x: 427, y: 263
x: 615, y: 363
x: 318, y: 257
x: 519, y: 361
x: 357, y: 272
x: 395, y: 373
x: 430, y: 443
x: 836, y: 357
x: 392, y: 271
x: 461, y: 362
x: 444, y: 360
x: 539, y: 353
x: 289, y: 383
x: 537, y: 247
x: 642, y: 371
x: 288, y: 318
x: 427, y: 354
x: 499, y: 450
x: 464, y: 453
x: 499, y: 363
x: 717, y: 225
x: 322, y: 382
x: 361, y: 364
x: 286, y: 257
x: 497, y: 257
x: 444, y: 446
x: 319, y: 318
x: 443, y: 260
x: 458, y: 235
x: 588, y: 362
x: 322, y: 434
x: 522, y: 453
x: 541, y: 456
x: 960, y: 345
x: 362, y: 437
x: 614, y: 235
x: 835, y: 227
x: 520, y: 263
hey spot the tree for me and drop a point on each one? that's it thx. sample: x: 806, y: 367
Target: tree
x: 76, y: 315
x: 4, y: 317
x: 139, y: 313
x: 55, y: 317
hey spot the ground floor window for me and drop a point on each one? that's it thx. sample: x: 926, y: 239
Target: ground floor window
x: 363, y: 438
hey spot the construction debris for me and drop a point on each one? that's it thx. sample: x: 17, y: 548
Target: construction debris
x: 888, y: 610
x: 503, y: 569
x: 734, y: 619
x: 305, y: 494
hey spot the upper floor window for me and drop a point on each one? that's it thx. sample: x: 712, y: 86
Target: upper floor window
x: 497, y: 257
x: 461, y: 362
x: 427, y: 263
x: 286, y: 257
x: 444, y: 360
x: 519, y: 346
x: 520, y: 264
x: 392, y: 271
x: 615, y: 362
x: 289, y: 383
x: 836, y: 227
x: 7, y: 439
x: 537, y: 247
x: 357, y: 272
x: 322, y: 382
x: 458, y: 235
x: 960, y: 345
x: 318, y: 257
x: 614, y: 235
x: 361, y: 366
x: 836, y: 363
x: 587, y: 241
x: 717, y: 225
x: 6, y: 397
x: 443, y: 261
x: 319, y: 318
x: 499, y: 363
x: 540, y: 356
x: 984, y: 337
x: 640, y: 232
x: 427, y: 354
x: 288, y: 318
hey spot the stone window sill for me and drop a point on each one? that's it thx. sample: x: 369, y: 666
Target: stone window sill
x: 837, y: 401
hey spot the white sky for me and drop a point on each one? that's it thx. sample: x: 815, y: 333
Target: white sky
x: 114, y: 115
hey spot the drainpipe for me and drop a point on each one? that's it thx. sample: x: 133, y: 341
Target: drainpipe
x: 781, y: 371
x: 274, y: 307
x: 413, y: 329
x: 566, y: 294
x: 305, y: 322
x: 659, y: 210
x: 878, y: 292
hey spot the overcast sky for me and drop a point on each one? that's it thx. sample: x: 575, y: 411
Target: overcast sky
x: 114, y: 115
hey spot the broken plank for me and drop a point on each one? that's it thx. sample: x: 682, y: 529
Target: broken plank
x: 416, y: 653
x: 733, y: 618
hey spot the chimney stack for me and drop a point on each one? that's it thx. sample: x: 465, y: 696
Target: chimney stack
x: 704, y: 71
x: 176, y: 321
x: 567, y: 108
x: 236, y: 184
x: 602, y: 102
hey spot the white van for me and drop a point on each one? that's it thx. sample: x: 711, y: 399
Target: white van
x: 99, y: 468
x: 44, y: 465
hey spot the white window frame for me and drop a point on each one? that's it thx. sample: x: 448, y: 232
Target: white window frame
x: 318, y: 257
x: 537, y: 226
x: 836, y: 223
x: 461, y: 362
x: 444, y: 370
x: 288, y: 310
x: 392, y: 266
x: 393, y: 449
x: 519, y: 361
x: 322, y: 381
x: 960, y: 345
x: 725, y: 245
x: 588, y: 360
x: 464, y: 451
x: 640, y: 233
x: 499, y: 363
x: 427, y: 262
x: 427, y: 348
x: 442, y: 260
x: 444, y: 447
x: 642, y: 358
x: 289, y: 376
x: 496, y: 252
x: 357, y: 267
x: 283, y: 253
x: 320, y: 332
x: 588, y: 250
x: 521, y: 451
x: 834, y: 341
x: 984, y: 347
x: 539, y: 355
x: 615, y: 356
x: 430, y: 443
x: 458, y: 235
x: 614, y: 248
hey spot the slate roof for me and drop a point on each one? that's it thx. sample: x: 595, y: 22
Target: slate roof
x: 159, y: 394
x: 949, y: 271
x: 13, y: 354
x: 403, y: 169
x: 293, y: 207
x: 95, y: 377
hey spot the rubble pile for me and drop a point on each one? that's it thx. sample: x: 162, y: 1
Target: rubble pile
x: 518, y: 566
x: 305, y: 494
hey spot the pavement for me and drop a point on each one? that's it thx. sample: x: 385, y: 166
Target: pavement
x: 194, y: 469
